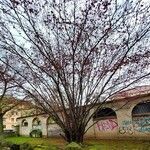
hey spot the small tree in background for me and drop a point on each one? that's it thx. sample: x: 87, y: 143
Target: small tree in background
x: 8, y: 88
x: 75, y: 53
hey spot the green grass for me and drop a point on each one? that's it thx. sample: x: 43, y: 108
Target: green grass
x: 92, y: 144
x: 36, y: 141
x: 119, y: 144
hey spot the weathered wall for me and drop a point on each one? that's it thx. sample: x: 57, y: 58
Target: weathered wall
x: 54, y: 130
x: 123, y: 126
x: 10, y: 119
x: 48, y: 130
x: 106, y: 127
x: 25, y: 130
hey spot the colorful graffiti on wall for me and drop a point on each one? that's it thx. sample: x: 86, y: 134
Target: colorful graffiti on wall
x: 141, y: 124
x: 126, y: 127
x: 107, y: 125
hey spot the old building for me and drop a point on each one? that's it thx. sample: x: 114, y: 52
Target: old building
x: 23, y: 108
x: 127, y: 114
x: 10, y: 119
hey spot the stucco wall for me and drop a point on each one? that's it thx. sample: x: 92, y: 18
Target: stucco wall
x: 123, y: 126
x: 25, y: 130
x: 10, y: 119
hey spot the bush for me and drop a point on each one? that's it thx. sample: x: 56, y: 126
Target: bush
x: 36, y: 133
x: 40, y: 147
x: 95, y: 147
x: 17, y: 130
x: 5, y: 144
x: 15, y: 147
x: 8, y: 133
x: 26, y: 146
x: 73, y: 146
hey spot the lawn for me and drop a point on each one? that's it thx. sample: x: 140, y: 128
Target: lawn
x: 36, y: 141
x: 92, y: 144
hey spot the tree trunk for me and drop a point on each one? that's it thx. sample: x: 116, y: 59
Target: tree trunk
x: 1, y: 123
x: 74, y: 136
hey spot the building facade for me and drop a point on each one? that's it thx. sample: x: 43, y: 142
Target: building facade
x: 10, y: 119
x: 127, y: 115
x: 24, y: 108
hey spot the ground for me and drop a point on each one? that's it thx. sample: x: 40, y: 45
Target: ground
x: 92, y: 144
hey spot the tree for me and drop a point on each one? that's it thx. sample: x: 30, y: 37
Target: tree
x: 74, y: 55
x: 7, y: 89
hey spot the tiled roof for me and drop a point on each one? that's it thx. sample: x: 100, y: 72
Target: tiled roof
x: 137, y: 91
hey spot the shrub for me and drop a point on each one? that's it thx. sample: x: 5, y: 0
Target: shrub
x: 15, y: 147
x: 95, y: 147
x: 26, y: 146
x: 73, y: 146
x: 36, y: 133
x: 8, y: 133
x: 4, y: 143
x: 17, y: 130
x: 40, y: 147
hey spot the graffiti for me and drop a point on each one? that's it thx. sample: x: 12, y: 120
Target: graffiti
x: 126, y: 127
x: 141, y: 124
x: 107, y: 125
x: 124, y: 130
x: 126, y: 122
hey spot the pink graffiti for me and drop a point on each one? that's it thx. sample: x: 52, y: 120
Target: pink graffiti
x: 107, y: 125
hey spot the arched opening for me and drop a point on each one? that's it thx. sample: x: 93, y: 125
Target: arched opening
x: 141, y: 117
x: 50, y: 121
x: 105, y: 113
x: 106, y: 120
x: 36, y: 123
x: 141, y: 109
x: 52, y: 128
x: 24, y: 123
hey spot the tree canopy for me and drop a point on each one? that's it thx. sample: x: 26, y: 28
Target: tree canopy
x: 72, y: 55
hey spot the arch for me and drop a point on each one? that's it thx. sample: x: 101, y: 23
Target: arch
x: 36, y: 122
x: 106, y: 121
x: 24, y: 123
x: 105, y: 113
x: 141, y: 117
x: 50, y: 120
x: 142, y: 108
x: 53, y: 129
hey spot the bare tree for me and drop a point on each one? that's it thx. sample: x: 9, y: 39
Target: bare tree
x: 8, y: 88
x: 76, y: 54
